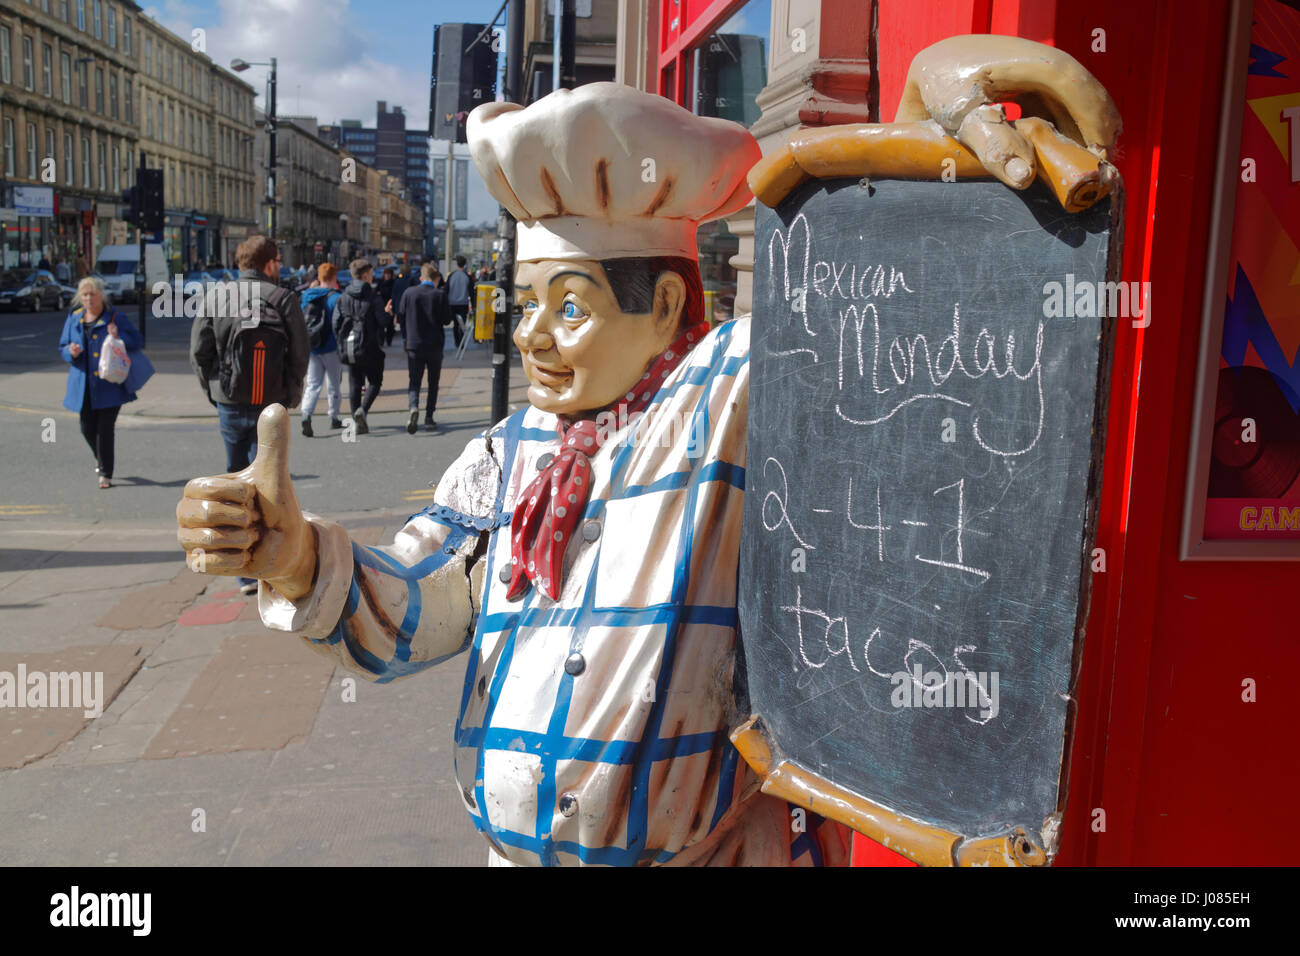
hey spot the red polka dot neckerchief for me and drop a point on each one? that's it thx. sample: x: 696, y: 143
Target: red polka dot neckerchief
x: 550, y: 507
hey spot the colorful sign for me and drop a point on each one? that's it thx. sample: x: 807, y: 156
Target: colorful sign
x: 34, y: 200
x: 1253, y: 491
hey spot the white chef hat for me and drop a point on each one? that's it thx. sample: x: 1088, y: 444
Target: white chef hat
x: 605, y: 171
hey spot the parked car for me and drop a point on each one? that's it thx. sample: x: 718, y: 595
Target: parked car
x: 32, y: 289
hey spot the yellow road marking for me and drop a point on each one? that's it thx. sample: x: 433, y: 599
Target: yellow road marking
x: 29, y: 509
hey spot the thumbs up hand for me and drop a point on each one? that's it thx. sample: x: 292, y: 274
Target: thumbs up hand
x: 249, y: 523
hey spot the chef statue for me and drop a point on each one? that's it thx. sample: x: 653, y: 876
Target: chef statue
x: 582, y: 554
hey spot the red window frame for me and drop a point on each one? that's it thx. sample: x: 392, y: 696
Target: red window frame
x: 682, y: 25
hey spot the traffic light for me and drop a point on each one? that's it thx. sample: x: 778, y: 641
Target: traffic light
x: 131, y: 199
x: 461, y: 79
x: 150, y: 197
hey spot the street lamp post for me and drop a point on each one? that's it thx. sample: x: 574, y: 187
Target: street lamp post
x: 239, y: 66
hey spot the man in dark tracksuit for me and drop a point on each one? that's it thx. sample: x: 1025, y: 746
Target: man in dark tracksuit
x: 422, y: 310
x: 359, y: 312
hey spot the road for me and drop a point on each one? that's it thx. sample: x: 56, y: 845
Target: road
x: 157, y: 455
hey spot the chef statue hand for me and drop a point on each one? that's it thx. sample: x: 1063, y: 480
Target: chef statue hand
x: 956, y: 81
x: 249, y: 523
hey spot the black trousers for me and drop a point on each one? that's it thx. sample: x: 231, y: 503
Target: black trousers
x: 97, y: 428
x: 416, y: 363
x: 370, y: 374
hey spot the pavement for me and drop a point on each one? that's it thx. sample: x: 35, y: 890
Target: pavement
x: 219, y: 742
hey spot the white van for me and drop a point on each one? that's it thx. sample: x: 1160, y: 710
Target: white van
x: 116, y: 265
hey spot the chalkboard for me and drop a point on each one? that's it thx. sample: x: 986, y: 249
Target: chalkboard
x: 922, y: 467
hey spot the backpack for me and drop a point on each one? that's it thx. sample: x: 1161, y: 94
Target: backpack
x: 318, y: 321
x: 351, y: 329
x: 255, y: 360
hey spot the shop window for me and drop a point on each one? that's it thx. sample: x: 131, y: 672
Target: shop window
x: 32, y: 163
x: 85, y: 162
x: 81, y: 15
x: 112, y: 95
x: 112, y: 27
x: 69, y: 164
x: 97, y: 20
x: 6, y: 65
x: 729, y: 67
x: 126, y: 33
x: 99, y: 91
x: 47, y: 69
x: 65, y: 77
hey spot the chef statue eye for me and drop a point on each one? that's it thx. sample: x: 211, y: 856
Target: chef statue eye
x: 572, y: 310
x: 530, y: 305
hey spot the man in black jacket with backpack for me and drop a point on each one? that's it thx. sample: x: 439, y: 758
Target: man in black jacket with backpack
x: 422, y: 311
x: 360, y: 327
x: 249, y: 348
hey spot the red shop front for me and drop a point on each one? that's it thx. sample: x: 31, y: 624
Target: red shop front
x: 1193, y: 626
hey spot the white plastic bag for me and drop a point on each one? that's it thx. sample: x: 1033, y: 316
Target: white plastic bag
x: 114, y: 363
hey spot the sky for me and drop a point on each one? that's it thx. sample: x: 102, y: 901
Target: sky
x: 334, y: 58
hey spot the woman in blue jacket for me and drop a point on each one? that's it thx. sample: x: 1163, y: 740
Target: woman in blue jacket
x: 98, y: 401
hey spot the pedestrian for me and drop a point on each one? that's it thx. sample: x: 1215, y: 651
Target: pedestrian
x: 62, y: 272
x: 423, y: 312
x: 400, y: 285
x: 360, y: 328
x: 458, y: 285
x: 82, y: 268
x: 98, y: 401
x: 318, y: 311
x: 45, y: 263
x: 244, y: 365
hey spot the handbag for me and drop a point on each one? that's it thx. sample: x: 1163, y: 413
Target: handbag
x: 114, y: 363
x: 140, y: 372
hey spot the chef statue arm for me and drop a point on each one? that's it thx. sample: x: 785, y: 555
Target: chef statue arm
x: 391, y: 611
x: 383, y: 612
x: 948, y: 126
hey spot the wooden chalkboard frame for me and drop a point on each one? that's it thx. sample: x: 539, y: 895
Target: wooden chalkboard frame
x: 1078, y: 179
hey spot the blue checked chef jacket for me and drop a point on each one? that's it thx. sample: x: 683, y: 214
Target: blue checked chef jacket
x: 593, y: 729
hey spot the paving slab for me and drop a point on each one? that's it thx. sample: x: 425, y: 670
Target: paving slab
x: 257, y: 693
x: 156, y: 605
x: 28, y: 733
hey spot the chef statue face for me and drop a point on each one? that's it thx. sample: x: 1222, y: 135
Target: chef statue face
x: 585, y: 343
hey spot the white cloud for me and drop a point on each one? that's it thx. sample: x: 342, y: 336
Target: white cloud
x: 330, y: 62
